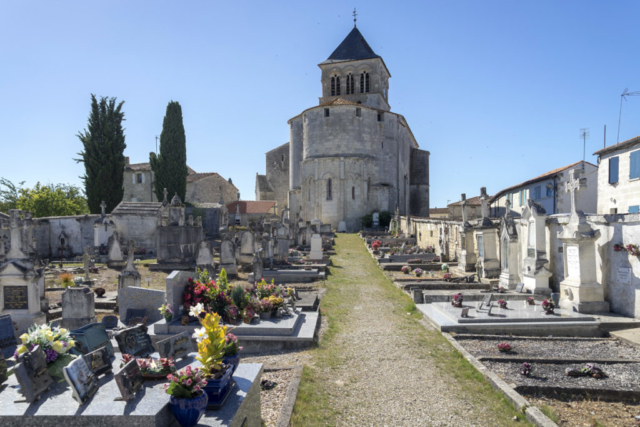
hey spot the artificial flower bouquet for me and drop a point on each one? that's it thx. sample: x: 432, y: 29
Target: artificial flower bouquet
x: 53, y: 341
x: 151, y: 368
x: 186, y: 384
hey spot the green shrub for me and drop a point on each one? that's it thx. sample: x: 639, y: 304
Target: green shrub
x: 385, y: 218
x: 367, y: 221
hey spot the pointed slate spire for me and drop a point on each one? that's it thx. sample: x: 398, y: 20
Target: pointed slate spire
x: 353, y: 47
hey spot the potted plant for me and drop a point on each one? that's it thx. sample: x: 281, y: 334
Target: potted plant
x: 548, y: 306
x: 151, y: 368
x: 526, y: 369
x: 266, y: 307
x: 188, y: 401
x: 446, y: 277
x: 375, y: 245
x: 504, y: 347
x: 418, y: 272
x: 232, y: 314
x: 211, y: 341
x: 456, y: 301
x: 167, y: 312
x: 531, y: 301
x: 502, y: 303
x: 445, y: 268
x: 406, y: 269
x: 231, y: 352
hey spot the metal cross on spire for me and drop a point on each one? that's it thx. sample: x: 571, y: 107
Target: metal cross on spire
x: 355, y: 15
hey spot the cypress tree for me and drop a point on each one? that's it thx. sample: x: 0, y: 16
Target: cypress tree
x: 103, y: 156
x: 170, y: 166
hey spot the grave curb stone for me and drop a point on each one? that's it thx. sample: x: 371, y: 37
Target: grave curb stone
x: 535, y: 416
x: 286, y: 411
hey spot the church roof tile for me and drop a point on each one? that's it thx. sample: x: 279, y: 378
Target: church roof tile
x: 354, y: 47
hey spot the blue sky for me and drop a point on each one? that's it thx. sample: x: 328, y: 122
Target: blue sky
x: 497, y: 91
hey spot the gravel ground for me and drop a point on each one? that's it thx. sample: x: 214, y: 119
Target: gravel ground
x: 426, y: 275
x: 271, y: 400
x: 578, y: 412
x: 556, y: 348
x: 622, y: 376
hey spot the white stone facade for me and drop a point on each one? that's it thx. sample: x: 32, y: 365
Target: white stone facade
x: 623, y: 195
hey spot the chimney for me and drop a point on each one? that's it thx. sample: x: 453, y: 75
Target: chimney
x: 126, y: 160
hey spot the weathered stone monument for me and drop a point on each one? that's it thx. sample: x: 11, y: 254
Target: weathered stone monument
x: 486, y: 236
x: 508, y: 250
x: 258, y: 268
x: 283, y: 242
x: 78, y: 307
x: 535, y: 270
x: 19, y: 292
x: 176, y: 242
x: 316, y: 248
x: 130, y: 276
x: 580, y: 290
x: 228, y: 257
x: 103, y: 229
x: 247, y: 248
x: 115, y: 259
x: 86, y: 261
x: 467, y: 260
x: 204, y: 256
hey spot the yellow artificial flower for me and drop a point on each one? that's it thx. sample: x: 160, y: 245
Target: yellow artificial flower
x: 49, y: 335
x: 71, y: 344
x: 63, y: 331
x: 24, y: 338
x: 22, y: 349
x: 57, y: 346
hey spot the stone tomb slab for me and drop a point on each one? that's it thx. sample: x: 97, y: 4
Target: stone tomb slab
x: 149, y: 407
x: 290, y: 276
x: 91, y: 337
x: 509, y: 315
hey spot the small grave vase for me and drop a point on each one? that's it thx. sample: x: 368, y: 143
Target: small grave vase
x: 218, y: 389
x: 188, y: 411
x: 265, y: 315
x: 232, y: 361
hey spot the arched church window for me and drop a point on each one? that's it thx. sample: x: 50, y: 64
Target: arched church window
x: 353, y: 193
x: 309, y: 193
x: 333, y: 86
x: 350, y: 88
x: 364, y: 82
x: 329, y: 189
x: 337, y: 85
x: 368, y: 187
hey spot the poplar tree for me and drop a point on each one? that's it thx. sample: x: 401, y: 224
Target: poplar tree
x: 170, y: 165
x: 103, y: 155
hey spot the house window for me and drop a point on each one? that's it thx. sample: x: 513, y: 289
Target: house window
x: 634, y: 165
x: 613, y: 169
x: 358, y: 112
x: 634, y: 209
x: 350, y: 88
x: 326, y: 112
x: 523, y: 194
x: 549, y: 190
x: 537, y: 193
x: 364, y: 82
x: 139, y: 178
x: 613, y: 211
x: 329, y: 189
x: 353, y: 193
x: 380, y: 117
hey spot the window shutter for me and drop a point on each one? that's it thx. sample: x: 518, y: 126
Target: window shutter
x: 634, y: 166
x: 613, y: 169
x: 143, y: 177
x: 133, y: 178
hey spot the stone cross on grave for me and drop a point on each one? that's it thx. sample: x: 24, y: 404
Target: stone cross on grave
x: 574, y: 186
x: 131, y: 251
x: 103, y: 207
x: 463, y: 203
x: 15, y: 252
x: 86, y: 258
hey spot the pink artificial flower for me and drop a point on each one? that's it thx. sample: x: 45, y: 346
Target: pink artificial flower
x: 189, y: 382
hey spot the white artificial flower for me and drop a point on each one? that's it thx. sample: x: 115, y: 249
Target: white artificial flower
x: 195, y: 310
x: 199, y: 334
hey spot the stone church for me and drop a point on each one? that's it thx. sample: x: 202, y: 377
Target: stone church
x: 349, y: 155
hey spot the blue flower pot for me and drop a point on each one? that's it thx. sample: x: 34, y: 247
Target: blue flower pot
x: 188, y: 411
x: 217, y: 390
x: 232, y: 360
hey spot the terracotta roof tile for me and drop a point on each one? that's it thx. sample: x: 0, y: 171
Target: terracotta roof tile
x: 438, y: 211
x: 474, y: 201
x: 618, y: 146
x: 252, y: 206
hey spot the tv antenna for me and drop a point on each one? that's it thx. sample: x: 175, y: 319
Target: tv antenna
x: 584, y: 135
x: 624, y: 94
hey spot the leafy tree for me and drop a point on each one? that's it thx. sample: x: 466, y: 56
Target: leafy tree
x: 103, y: 154
x: 170, y: 166
x: 43, y: 200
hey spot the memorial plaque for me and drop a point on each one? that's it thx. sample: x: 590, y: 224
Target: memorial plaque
x: 99, y: 361
x: 465, y: 312
x: 110, y: 322
x: 624, y: 276
x: 82, y: 381
x: 487, y: 300
x: 91, y: 337
x: 134, y: 341
x: 8, y: 342
x: 531, y: 253
x: 3, y: 369
x: 177, y: 346
x: 519, y: 287
x: 129, y: 380
x: 16, y: 298
x: 32, y: 374
x: 573, y: 262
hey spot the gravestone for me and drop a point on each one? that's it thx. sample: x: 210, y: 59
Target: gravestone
x: 133, y: 313
x: 129, y: 380
x: 115, y: 259
x: 376, y: 220
x: 486, y: 235
x: 134, y: 341
x: 228, y: 257
x: 535, y: 269
x: 91, y: 337
x: 78, y: 307
x: 174, y: 286
x: 283, y: 243
x: 580, y: 290
x: 86, y: 260
x: 145, y: 299
x: 8, y: 342
x: 519, y: 287
x: 110, y: 321
x: 82, y: 381
x: 258, y: 269
x: 342, y: 227
x: 247, y: 248
x: 204, y: 256
x: 99, y: 361
x: 176, y: 347
x: 508, y: 250
x: 465, y: 312
x: 325, y: 229
x: 32, y: 374
x: 486, y: 301
x: 307, y: 234
x: 130, y: 276
x: 316, y: 248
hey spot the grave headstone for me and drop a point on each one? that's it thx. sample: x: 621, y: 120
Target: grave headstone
x: 8, y: 342
x: 134, y: 341
x: 78, y: 307
x: 247, y: 247
x: 129, y: 380
x: 110, y: 321
x: 82, y: 381
x: 228, y: 257
x: 32, y: 374
x: 86, y: 260
x: 376, y: 219
x: 99, y: 361
x: 258, y: 268
x: 176, y: 347
x: 316, y: 248
x: 115, y: 259
x: 132, y: 313
x: 91, y: 337
x: 204, y: 256
x: 487, y: 300
x: 464, y: 312
x: 535, y: 269
x: 142, y: 298
x: 519, y: 287
x: 130, y: 277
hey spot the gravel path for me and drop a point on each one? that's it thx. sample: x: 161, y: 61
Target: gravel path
x: 387, y: 378
x: 271, y: 400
